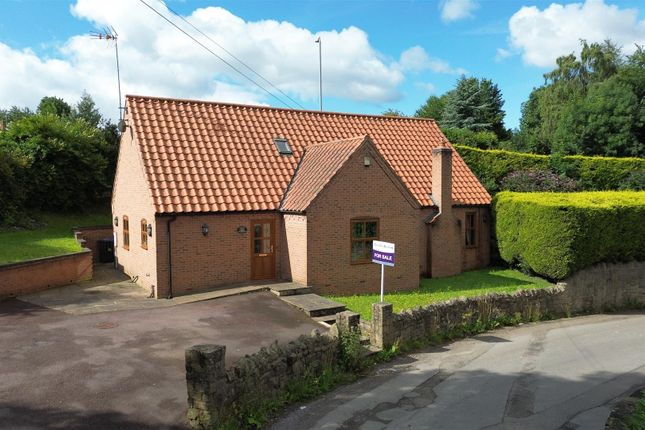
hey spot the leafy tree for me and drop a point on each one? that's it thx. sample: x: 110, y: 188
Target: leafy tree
x: 14, y: 113
x: 591, y: 105
x: 64, y: 160
x: 393, y: 112
x: 432, y: 108
x: 54, y: 106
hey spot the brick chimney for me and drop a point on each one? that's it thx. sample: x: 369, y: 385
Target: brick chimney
x: 442, y: 178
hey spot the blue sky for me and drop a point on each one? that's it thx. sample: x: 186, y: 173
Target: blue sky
x: 398, y: 53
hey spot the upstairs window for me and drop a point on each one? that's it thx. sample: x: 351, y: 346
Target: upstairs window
x: 126, y: 232
x: 283, y: 146
x: 363, y: 233
x: 144, y: 234
x: 471, y: 229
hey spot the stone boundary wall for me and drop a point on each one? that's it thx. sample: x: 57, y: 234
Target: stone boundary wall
x: 596, y: 289
x: 40, y: 274
x: 215, y: 393
x: 88, y: 237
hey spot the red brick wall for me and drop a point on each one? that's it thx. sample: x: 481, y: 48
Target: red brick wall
x: 43, y: 273
x: 199, y: 262
x: 294, y: 251
x: 91, y: 236
x: 131, y: 197
x: 359, y: 191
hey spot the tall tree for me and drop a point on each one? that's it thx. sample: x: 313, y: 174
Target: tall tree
x: 54, y: 106
x: 86, y: 109
x: 476, y: 105
x: 432, y: 108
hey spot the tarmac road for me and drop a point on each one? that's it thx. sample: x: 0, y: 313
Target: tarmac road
x: 562, y: 374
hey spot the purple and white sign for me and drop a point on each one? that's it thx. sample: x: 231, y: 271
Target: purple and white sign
x: 383, y: 253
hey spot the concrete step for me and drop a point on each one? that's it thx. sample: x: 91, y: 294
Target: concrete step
x: 314, y: 305
x: 326, y: 319
x: 289, y: 289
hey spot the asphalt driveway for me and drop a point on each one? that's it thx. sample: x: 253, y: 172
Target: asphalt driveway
x: 125, y: 369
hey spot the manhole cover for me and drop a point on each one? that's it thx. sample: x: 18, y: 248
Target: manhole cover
x: 105, y: 325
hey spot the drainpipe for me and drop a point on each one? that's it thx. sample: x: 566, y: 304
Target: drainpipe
x: 170, y: 221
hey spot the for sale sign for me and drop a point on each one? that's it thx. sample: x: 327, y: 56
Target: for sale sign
x: 383, y: 253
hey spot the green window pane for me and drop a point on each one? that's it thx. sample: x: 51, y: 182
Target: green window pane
x: 358, y: 250
x: 370, y: 229
x: 358, y: 229
x: 257, y: 246
x: 257, y: 230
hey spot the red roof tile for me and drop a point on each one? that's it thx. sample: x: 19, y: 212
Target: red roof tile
x: 214, y: 157
x: 318, y: 165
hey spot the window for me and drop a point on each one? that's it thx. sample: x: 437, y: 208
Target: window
x: 363, y: 232
x: 126, y: 232
x: 144, y: 234
x: 283, y: 146
x: 471, y: 229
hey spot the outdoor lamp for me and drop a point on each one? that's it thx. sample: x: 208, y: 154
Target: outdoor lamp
x: 149, y: 230
x: 116, y: 221
x: 205, y: 229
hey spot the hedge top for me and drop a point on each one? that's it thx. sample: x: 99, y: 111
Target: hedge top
x: 537, y: 157
x: 589, y: 199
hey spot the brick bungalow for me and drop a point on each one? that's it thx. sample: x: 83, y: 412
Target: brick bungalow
x: 212, y: 194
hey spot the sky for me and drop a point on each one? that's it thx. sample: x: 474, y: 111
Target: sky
x: 376, y: 55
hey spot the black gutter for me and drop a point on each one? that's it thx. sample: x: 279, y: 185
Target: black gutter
x: 171, y: 220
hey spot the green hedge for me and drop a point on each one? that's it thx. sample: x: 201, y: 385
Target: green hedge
x: 591, y: 173
x: 556, y: 234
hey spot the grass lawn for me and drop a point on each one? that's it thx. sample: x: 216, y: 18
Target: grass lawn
x: 468, y: 284
x: 637, y: 420
x: 55, y: 237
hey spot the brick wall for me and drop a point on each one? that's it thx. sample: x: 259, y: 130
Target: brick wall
x: 199, y: 262
x: 361, y: 192
x: 131, y: 197
x: 294, y: 251
x: 88, y: 237
x: 41, y: 274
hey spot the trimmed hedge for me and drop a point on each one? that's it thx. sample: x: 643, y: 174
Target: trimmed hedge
x: 591, y: 173
x: 556, y: 234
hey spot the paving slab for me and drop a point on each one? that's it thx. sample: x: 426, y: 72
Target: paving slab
x: 289, y: 289
x: 314, y: 305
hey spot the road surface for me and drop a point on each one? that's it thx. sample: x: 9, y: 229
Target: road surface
x: 563, y: 374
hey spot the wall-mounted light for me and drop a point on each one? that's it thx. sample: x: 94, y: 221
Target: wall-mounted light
x: 204, y: 229
x: 242, y: 229
x: 150, y: 230
x: 116, y: 221
x: 367, y: 161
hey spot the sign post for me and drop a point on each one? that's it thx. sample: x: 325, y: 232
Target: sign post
x: 383, y: 254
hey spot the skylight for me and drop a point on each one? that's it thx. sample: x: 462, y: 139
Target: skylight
x: 283, y: 146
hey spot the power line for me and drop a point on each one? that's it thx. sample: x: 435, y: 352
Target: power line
x: 231, y: 54
x: 215, y: 54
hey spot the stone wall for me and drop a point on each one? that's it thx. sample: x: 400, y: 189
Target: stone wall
x: 40, y: 274
x: 598, y: 288
x: 215, y: 393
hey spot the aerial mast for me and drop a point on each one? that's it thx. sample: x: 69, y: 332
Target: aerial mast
x: 111, y: 35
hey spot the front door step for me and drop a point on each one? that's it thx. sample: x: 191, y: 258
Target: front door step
x: 314, y: 305
x: 289, y: 289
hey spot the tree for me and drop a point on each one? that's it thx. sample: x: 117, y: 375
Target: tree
x: 86, y: 109
x: 591, y: 105
x: 393, y: 112
x: 64, y: 161
x: 54, y: 106
x: 14, y: 113
x: 475, y: 104
x: 432, y: 108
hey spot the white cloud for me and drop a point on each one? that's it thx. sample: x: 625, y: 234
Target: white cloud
x: 454, y: 10
x: 416, y: 59
x: 502, y: 54
x: 156, y: 59
x: 426, y: 86
x: 544, y: 35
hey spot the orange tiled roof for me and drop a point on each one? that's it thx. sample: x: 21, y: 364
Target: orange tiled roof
x: 317, y: 166
x: 215, y: 157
